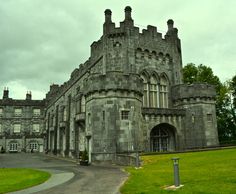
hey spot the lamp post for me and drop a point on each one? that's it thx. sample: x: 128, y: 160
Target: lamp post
x: 176, y: 172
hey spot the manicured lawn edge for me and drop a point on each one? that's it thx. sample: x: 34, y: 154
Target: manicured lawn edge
x: 14, y: 179
x: 211, y: 172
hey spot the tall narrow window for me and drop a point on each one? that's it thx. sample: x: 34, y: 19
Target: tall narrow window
x: 154, y: 96
x: 83, y: 104
x: 0, y: 128
x: 103, y: 115
x: 78, y: 106
x: 1, y: 111
x: 64, y: 114
x: 145, y: 92
x: 89, y: 118
x: 163, y: 92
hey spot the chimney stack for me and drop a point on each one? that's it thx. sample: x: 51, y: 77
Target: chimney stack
x: 28, y: 95
x: 5, y: 93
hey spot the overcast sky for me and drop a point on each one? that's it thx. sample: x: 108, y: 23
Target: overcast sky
x: 42, y: 41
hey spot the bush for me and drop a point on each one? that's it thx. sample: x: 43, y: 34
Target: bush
x: 2, y: 150
x: 84, y: 156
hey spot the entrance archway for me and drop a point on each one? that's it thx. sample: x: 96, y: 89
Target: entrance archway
x: 162, y: 138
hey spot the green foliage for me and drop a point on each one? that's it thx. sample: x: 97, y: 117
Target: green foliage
x: 13, y: 179
x: 209, y: 172
x: 233, y: 89
x: 200, y: 74
x: 225, y: 107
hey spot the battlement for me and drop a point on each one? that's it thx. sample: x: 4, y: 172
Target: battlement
x: 127, y: 28
x: 193, y: 91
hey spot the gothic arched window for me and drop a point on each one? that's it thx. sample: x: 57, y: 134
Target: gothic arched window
x: 146, y: 91
x: 154, y: 92
x: 163, y: 92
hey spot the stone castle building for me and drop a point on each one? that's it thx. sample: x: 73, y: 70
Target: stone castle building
x: 129, y: 96
x: 21, y: 124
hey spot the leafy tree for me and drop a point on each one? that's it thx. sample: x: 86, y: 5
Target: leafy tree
x: 200, y: 74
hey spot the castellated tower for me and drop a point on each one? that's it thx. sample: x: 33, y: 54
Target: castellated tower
x: 200, y: 123
x: 129, y: 96
x: 130, y: 63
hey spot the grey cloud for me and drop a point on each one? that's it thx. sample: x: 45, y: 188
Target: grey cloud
x: 41, y: 42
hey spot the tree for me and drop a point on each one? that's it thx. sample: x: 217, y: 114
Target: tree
x: 225, y: 99
x: 200, y: 74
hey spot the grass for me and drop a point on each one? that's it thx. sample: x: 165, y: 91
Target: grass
x: 13, y: 179
x: 209, y: 172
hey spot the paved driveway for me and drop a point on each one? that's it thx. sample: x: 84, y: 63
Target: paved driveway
x: 86, y: 179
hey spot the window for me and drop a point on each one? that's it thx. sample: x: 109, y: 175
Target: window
x: 13, y: 147
x: 154, y: 96
x: 145, y: 90
x: 18, y: 111
x: 163, y: 92
x: 36, y: 128
x: 78, y: 106
x: 0, y: 128
x: 82, y: 104
x: 64, y: 114
x: 89, y: 119
x: 36, y: 112
x: 193, y: 118
x: 33, y: 146
x: 17, y: 128
x: 124, y: 115
x: 103, y: 115
x: 1, y: 111
x: 209, y: 117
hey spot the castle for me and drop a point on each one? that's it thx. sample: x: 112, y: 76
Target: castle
x: 128, y: 96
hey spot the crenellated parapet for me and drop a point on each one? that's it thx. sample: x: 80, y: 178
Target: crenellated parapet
x: 193, y: 92
x: 127, y: 28
x: 115, y: 82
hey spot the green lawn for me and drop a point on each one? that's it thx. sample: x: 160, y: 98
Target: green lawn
x: 209, y: 172
x: 13, y: 179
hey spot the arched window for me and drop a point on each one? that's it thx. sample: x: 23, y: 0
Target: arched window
x: 146, y: 92
x: 163, y: 92
x: 154, y: 92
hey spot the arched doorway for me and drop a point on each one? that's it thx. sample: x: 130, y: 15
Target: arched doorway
x: 162, y: 138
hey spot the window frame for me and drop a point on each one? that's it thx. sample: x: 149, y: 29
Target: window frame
x: 125, y: 114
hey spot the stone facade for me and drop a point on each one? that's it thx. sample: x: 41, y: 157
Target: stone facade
x: 129, y: 96
x: 21, y: 124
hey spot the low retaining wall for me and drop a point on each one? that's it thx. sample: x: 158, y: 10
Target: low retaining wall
x: 126, y: 160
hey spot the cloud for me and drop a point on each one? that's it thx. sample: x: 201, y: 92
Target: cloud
x: 43, y: 41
